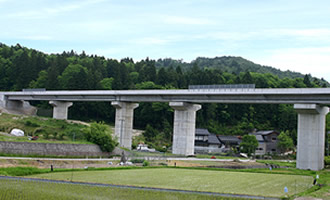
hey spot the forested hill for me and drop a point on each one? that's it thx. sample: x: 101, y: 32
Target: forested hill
x: 230, y: 64
x: 21, y: 67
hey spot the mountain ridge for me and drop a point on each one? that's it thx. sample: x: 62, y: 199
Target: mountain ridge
x: 232, y: 64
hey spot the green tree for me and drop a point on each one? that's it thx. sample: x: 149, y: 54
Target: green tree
x: 99, y: 134
x: 74, y: 77
x: 41, y: 81
x: 147, y: 85
x: 285, y: 143
x: 150, y: 133
x: 247, y: 78
x: 249, y: 144
x: 306, y: 81
x: 162, y: 77
x: 134, y: 77
x: 106, y: 83
x: 148, y: 71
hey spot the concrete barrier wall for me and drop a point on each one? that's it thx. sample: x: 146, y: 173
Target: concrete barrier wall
x: 2, y: 99
x: 29, y: 148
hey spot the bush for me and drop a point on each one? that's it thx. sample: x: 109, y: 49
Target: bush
x: 327, y: 160
x: 137, y: 160
x: 61, y: 136
x: 99, y: 134
x: 55, y: 135
x: 31, y: 124
x: 145, y: 163
x: 38, y: 131
x: 45, y: 135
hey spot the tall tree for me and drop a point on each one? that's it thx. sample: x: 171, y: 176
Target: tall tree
x: 249, y: 144
x: 306, y: 81
x: 285, y: 143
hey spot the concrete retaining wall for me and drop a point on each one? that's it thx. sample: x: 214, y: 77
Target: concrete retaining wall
x: 206, y: 150
x: 29, y: 148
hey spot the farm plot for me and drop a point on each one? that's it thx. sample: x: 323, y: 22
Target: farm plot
x: 18, y: 189
x: 258, y: 184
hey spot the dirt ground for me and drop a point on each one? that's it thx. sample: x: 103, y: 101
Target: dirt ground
x: 215, y: 164
x: 66, y: 163
x: 56, y: 163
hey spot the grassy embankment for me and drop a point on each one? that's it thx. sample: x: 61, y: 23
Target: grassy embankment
x: 48, y: 130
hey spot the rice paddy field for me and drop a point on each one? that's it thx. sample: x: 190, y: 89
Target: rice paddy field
x: 32, y: 190
x: 247, y: 183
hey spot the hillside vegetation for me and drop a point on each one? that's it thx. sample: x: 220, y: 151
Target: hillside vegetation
x: 47, y: 130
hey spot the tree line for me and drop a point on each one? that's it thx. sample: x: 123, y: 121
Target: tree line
x: 21, y: 67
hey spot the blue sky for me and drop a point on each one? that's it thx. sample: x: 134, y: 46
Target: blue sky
x: 285, y: 34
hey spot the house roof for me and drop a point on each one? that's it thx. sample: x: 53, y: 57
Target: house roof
x: 260, y: 138
x: 228, y: 139
x: 265, y: 132
x: 213, y: 139
x: 202, y: 131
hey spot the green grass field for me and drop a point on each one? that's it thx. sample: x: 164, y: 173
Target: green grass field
x: 258, y: 184
x: 13, y: 189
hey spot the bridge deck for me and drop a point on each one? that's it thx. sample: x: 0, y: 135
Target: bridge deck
x: 267, y: 96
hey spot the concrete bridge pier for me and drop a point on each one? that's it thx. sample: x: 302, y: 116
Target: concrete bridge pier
x: 60, y: 109
x: 17, y: 107
x: 311, y: 136
x: 184, y: 127
x: 124, y: 122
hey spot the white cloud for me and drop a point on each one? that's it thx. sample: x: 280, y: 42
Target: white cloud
x: 319, y: 34
x: 315, y: 61
x: 179, y: 20
x: 42, y: 12
x: 151, y: 41
x: 37, y: 37
x: 306, y: 32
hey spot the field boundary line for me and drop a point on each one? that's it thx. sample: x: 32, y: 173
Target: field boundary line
x: 137, y: 187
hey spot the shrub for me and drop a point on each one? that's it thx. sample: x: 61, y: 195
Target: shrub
x: 38, y: 131
x: 55, y: 135
x: 99, y: 134
x: 31, y: 124
x: 61, y: 136
x: 327, y: 160
x: 137, y: 160
x: 45, y: 135
x: 145, y: 163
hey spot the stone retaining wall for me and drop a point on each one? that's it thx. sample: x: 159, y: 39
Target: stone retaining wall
x: 29, y: 148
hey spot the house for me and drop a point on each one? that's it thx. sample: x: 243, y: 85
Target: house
x: 228, y: 142
x: 206, y: 142
x: 267, y: 142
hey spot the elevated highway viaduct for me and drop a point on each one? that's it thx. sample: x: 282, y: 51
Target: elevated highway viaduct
x: 310, y: 104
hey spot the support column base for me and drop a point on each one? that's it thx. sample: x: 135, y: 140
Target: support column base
x: 124, y: 122
x: 184, y: 127
x: 311, y: 136
x: 60, y: 109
